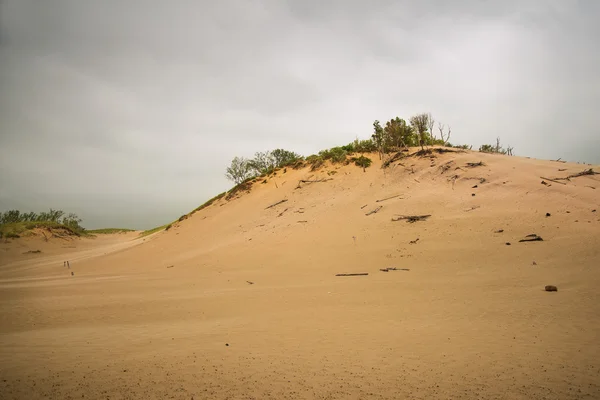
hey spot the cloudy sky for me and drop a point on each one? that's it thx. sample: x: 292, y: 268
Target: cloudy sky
x: 128, y: 112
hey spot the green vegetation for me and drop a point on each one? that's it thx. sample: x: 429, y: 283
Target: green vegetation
x: 362, y: 161
x: 396, y: 134
x: 14, y: 224
x: 107, y: 231
x: 263, y: 163
x: 24, y: 228
x: 154, y: 230
x: 496, y: 149
x: 209, y: 202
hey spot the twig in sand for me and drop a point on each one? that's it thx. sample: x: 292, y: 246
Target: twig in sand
x: 281, y: 213
x: 553, y: 180
x: 364, y: 206
x: 387, y: 198
x: 374, y: 211
x: 477, y: 164
x: 411, y: 218
x: 311, y: 181
x: 275, y: 204
x: 356, y: 274
x: 393, y: 269
x: 584, y: 173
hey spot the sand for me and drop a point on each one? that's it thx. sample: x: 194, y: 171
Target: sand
x: 242, y: 302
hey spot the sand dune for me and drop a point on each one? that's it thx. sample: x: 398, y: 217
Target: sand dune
x: 241, y: 301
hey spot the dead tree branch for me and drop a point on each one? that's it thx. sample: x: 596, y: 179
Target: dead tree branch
x: 553, y: 180
x: 411, y: 218
x: 374, y: 211
x: 387, y: 198
x: 275, y: 204
x: 393, y: 269
x: 473, y: 165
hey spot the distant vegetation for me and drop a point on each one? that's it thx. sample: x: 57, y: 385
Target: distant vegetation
x: 154, y: 230
x: 107, y: 231
x: 497, y: 148
x: 14, y: 223
x: 396, y: 134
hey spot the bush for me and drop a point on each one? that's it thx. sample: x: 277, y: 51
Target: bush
x: 362, y: 161
x: 364, y: 146
x: 487, y: 148
x: 315, y: 161
x: 335, y: 154
x: 349, y: 148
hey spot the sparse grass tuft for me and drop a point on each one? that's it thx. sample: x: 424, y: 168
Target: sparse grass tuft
x: 108, y: 231
x: 154, y: 230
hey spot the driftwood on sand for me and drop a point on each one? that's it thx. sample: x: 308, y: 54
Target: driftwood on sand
x: 275, y: 204
x: 553, y: 180
x: 532, y: 238
x: 586, y: 172
x: 387, y: 198
x: 374, y: 211
x: 355, y: 274
x: 411, y: 218
x: 477, y: 164
x: 393, y: 269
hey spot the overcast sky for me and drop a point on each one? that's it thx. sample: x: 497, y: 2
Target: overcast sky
x: 128, y: 112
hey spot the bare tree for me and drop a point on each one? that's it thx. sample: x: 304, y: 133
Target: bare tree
x: 430, y: 125
x: 420, y: 122
x: 441, y: 128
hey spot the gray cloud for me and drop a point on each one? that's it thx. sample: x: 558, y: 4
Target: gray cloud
x: 129, y: 112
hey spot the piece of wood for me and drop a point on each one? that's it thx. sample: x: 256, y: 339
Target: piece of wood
x: 364, y: 206
x: 584, y: 173
x: 553, y: 180
x: 374, y: 211
x: 393, y: 269
x: 356, y: 274
x: 477, y: 164
x: 387, y: 198
x: 315, y: 180
x: 532, y: 238
x: 276, y: 204
x: 281, y: 213
x: 411, y: 218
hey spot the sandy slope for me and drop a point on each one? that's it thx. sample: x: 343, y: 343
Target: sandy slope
x: 175, y: 317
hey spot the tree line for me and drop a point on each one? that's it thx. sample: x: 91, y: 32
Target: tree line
x: 70, y: 220
x: 395, y: 134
